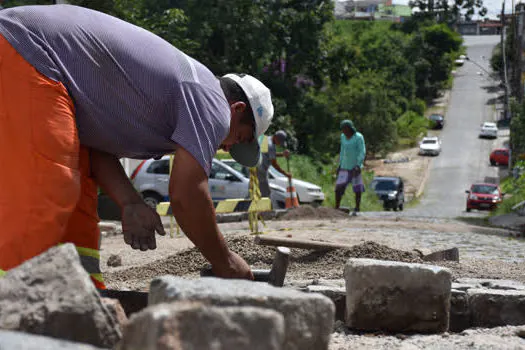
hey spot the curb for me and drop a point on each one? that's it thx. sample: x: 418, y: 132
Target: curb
x: 424, y: 181
x: 238, y: 217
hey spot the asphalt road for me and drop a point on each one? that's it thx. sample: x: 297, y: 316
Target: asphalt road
x: 464, y: 157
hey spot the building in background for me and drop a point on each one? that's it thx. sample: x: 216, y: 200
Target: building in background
x: 371, y: 10
x: 480, y: 27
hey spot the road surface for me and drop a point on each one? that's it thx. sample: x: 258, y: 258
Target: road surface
x: 464, y: 157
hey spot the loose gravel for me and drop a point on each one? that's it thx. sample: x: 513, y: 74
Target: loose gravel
x: 304, y: 264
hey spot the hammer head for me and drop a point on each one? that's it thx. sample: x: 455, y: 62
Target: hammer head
x: 275, y: 276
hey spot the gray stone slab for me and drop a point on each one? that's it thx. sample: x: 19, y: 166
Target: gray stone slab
x: 336, y: 294
x: 24, y: 341
x: 52, y: 295
x: 459, y: 311
x: 194, y: 325
x: 451, y: 254
x: 496, y: 307
x: 397, y: 297
x: 465, y: 286
x: 492, y: 283
x: 308, y: 317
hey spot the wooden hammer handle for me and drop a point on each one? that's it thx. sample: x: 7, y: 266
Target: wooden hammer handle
x: 298, y: 243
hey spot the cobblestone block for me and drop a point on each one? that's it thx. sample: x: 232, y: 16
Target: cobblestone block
x: 397, y: 297
x: 308, y: 317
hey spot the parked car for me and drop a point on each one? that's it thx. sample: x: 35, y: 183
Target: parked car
x: 437, y: 121
x: 307, y: 193
x: 488, y: 130
x: 390, y: 190
x: 499, y: 156
x: 430, y: 146
x: 151, y: 179
x: 484, y: 196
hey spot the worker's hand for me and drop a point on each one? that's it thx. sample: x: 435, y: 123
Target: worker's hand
x: 234, y: 267
x: 139, y: 223
x: 286, y: 153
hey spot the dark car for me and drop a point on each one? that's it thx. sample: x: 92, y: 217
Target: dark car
x: 390, y: 190
x: 437, y: 121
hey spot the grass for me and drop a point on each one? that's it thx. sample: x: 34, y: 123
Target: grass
x: 324, y: 175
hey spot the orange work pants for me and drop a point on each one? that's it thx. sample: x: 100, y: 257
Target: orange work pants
x: 47, y: 196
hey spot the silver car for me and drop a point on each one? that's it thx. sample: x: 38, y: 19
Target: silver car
x: 151, y: 179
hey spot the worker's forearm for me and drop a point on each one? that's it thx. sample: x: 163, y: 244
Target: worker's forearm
x: 194, y: 212
x: 278, y: 167
x: 111, y: 177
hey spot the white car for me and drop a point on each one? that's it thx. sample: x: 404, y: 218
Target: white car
x: 430, y: 146
x: 151, y: 179
x: 489, y: 130
x: 307, y: 193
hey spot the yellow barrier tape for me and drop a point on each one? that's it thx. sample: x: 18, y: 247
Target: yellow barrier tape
x: 226, y: 206
x: 255, y: 196
x: 162, y: 208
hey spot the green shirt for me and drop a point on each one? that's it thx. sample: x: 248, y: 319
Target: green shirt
x: 353, y: 151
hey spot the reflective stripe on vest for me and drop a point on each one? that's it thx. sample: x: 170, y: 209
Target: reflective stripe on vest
x: 263, y: 143
x: 90, y: 260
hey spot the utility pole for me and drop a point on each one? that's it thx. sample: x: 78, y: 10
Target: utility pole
x: 504, y: 57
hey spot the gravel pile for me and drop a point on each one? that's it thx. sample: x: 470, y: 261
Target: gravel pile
x: 304, y: 264
x: 310, y: 213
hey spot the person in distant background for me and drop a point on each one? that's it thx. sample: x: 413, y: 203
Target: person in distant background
x: 269, y: 157
x: 351, y: 158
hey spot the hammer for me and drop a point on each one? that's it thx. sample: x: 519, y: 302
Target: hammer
x: 275, y: 276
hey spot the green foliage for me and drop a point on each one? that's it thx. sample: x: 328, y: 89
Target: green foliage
x: 418, y: 106
x: 446, y: 11
x: 319, y: 70
x: 514, y: 190
x: 13, y: 3
x: 517, y: 128
x: 496, y: 60
x: 412, y: 125
x: 364, y: 101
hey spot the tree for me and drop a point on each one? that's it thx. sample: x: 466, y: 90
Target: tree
x: 448, y: 12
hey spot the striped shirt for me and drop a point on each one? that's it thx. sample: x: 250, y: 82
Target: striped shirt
x: 135, y: 95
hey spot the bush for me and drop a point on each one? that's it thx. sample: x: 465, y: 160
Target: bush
x: 418, y: 106
x: 411, y: 125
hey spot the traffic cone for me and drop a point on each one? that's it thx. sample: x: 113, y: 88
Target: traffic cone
x: 291, y: 200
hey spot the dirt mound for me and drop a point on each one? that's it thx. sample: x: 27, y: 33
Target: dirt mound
x: 304, y: 264
x: 309, y: 212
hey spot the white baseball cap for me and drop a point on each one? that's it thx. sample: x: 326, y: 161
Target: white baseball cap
x: 259, y: 96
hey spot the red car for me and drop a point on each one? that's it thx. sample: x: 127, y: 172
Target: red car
x: 499, y: 156
x: 483, y: 196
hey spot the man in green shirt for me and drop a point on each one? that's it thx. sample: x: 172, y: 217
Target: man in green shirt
x: 351, y: 158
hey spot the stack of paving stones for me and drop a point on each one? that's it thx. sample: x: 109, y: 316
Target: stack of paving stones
x: 402, y: 297
x: 49, y: 302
